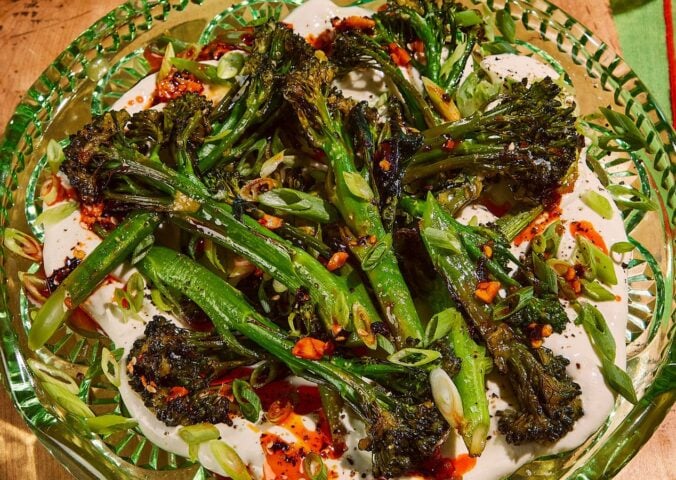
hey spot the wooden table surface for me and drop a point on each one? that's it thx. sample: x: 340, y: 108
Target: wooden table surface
x: 32, y: 33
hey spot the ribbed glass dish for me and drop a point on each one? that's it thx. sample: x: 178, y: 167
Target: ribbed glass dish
x: 107, y: 59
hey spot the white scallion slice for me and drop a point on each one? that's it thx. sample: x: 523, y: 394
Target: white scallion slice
x: 229, y: 461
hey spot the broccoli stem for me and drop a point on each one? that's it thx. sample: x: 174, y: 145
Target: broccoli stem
x: 511, y: 225
x: 76, y: 287
x: 363, y: 218
x: 471, y: 378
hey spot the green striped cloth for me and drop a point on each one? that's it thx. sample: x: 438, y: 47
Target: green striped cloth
x: 642, y: 30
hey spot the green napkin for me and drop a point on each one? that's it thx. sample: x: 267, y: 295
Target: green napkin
x: 642, y: 30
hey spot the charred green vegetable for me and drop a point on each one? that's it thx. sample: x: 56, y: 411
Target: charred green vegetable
x: 529, y: 138
x: 323, y: 118
x: 173, y: 369
x: 548, y: 400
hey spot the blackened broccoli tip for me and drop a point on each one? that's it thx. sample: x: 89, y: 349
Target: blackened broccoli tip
x: 173, y: 368
x: 403, y: 438
x: 549, y: 400
x: 528, y: 137
x: 544, y: 310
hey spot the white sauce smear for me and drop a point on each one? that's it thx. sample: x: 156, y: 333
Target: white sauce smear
x: 499, y: 458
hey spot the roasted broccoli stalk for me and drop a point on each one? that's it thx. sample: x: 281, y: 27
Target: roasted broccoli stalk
x: 323, y: 117
x: 173, y: 369
x: 432, y: 25
x: 355, y: 50
x: 528, y: 138
x: 276, y: 51
x: 402, y: 433
x: 548, y: 402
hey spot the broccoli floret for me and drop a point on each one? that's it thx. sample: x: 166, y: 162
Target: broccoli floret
x: 548, y: 399
x: 544, y: 310
x: 173, y: 368
x: 528, y: 138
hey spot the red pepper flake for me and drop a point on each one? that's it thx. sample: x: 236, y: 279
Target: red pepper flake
x: 177, y: 84
x: 450, y: 145
x: 538, y: 225
x: 177, y: 392
x: 311, y: 348
x: 487, y: 291
x: 398, y: 55
x: 337, y: 260
x: 271, y: 222
x: 362, y: 24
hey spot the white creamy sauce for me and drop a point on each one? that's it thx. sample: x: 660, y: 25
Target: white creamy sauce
x: 499, y: 458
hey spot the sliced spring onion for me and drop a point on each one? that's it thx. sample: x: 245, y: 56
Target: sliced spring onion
x: 545, y: 273
x: 622, y: 247
x: 512, y: 303
x: 618, y: 380
x: 22, y: 244
x: 159, y: 301
x: 549, y: 240
x: 596, y: 327
x: 414, y: 357
x: 505, y: 24
x: 107, y: 424
x: 55, y: 155
x: 467, y: 18
x: 358, y: 186
x: 110, y: 366
x: 265, y: 373
x: 299, y: 204
x: 376, y: 252
x: 447, y: 398
x: 604, y: 344
x: 34, y: 286
x: 230, y: 65
x: 142, y: 249
x: 165, y: 68
x: 51, y: 375
x: 598, y: 263
x: 626, y: 196
x: 271, y: 164
x: 67, y: 400
x: 362, y: 326
x: 442, y: 239
x: 248, y: 400
x: 229, y: 461
x: 440, y: 324
x: 194, y: 435
x: 385, y: 343
x: 598, y: 203
x: 443, y: 103
x: 55, y: 214
x: 597, y: 292
x: 314, y: 468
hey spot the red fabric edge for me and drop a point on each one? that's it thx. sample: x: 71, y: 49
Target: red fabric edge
x: 671, y: 54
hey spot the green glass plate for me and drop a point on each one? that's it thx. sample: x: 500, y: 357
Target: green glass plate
x: 107, y: 59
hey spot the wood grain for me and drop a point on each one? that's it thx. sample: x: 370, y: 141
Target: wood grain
x: 32, y: 33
